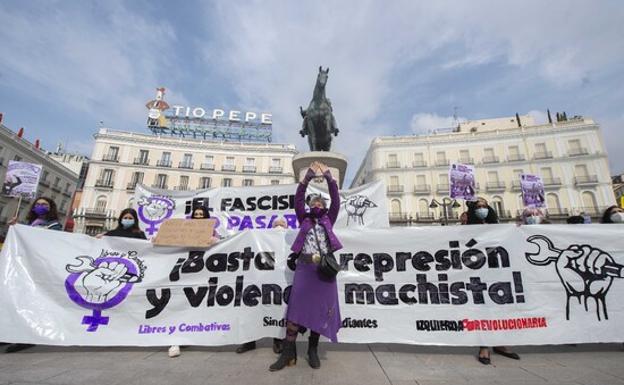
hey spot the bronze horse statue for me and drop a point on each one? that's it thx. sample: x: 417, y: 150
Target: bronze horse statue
x: 318, y: 120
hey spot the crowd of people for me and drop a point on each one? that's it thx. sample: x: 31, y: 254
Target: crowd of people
x: 313, y: 304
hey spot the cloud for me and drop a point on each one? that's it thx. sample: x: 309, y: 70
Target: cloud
x: 424, y: 123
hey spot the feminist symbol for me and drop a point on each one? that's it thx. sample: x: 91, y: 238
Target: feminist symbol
x: 154, y: 210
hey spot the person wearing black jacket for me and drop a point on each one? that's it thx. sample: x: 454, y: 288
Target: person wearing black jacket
x: 127, y: 226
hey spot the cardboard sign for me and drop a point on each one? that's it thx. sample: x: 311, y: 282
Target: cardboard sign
x: 186, y: 232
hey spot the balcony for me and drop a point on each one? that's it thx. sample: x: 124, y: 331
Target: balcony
x: 442, y: 188
x: 543, y: 155
x: 201, y: 186
x: 102, y: 183
x: 276, y: 170
x: 495, y: 186
x: 393, y: 165
x: 186, y: 165
x: 110, y: 158
x: 442, y: 162
x: 516, y: 158
x: 57, y: 188
x: 422, y: 189
x: 96, y: 212
x: 398, y: 217
x: 505, y: 214
x: 131, y: 186
x: 557, y: 212
x: 395, y: 189
x: 68, y: 193
x: 490, y: 159
x: 419, y: 163
x: 515, y: 186
x: 586, y: 180
x: 207, y: 166
x: 424, y: 217
x: 578, y: 152
x: 551, y: 182
x: 141, y: 161
x: 181, y: 188
x: 228, y: 167
x: 44, y: 182
x: 249, y: 169
x: 163, y: 163
x: 466, y: 160
x: 162, y: 186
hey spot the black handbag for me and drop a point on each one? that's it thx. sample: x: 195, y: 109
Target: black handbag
x: 328, y: 266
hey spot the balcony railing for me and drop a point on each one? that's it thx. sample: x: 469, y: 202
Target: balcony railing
x: 44, y: 182
x: 249, y: 168
x: 425, y: 217
x: 276, y: 170
x: 516, y: 158
x: 393, y: 165
x: 181, y: 188
x: 398, y: 216
x: 490, y: 159
x: 549, y: 182
x: 187, y: 165
x: 466, y: 160
x: 419, y: 163
x: 395, y: 189
x: 202, y: 186
x: 141, y: 161
x: 110, y: 158
x: 515, y: 186
x: 543, y: 155
x: 422, y: 189
x: 442, y: 188
x: 504, y: 214
x: 207, y: 166
x: 68, y: 193
x: 160, y: 186
x: 131, y: 186
x: 442, y: 162
x: 102, y: 183
x: 96, y: 212
x: 495, y: 186
x: 228, y: 167
x: 557, y: 212
x: 56, y: 188
x: 586, y: 179
x: 578, y: 152
x: 163, y: 163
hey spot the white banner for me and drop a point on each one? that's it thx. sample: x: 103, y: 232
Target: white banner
x: 459, y: 285
x: 256, y: 207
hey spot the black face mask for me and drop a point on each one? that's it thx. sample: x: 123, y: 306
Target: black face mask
x: 317, y: 212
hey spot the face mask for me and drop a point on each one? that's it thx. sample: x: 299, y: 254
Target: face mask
x: 533, y: 220
x: 127, y: 223
x: 482, y: 213
x: 41, y: 210
x: 617, y: 217
x: 317, y: 211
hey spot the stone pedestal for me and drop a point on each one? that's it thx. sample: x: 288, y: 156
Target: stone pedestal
x: 337, y: 164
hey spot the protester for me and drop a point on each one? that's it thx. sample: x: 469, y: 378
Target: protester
x: 463, y: 218
x: 532, y: 216
x: 42, y: 214
x: 575, y: 220
x: 313, y: 301
x: 613, y: 214
x: 127, y: 226
x: 277, y: 343
x: 200, y: 212
x: 480, y: 212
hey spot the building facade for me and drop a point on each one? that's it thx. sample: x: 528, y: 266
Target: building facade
x: 569, y: 155
x: 57, y: 181
x: 121, y: 160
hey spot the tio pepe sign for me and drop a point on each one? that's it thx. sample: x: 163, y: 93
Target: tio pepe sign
x: 232, y: 116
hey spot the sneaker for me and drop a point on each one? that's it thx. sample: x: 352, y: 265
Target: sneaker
x: 174, y: 351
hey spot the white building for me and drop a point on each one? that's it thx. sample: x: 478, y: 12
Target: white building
x: 569, y: 155
x: 121, y: 160
x: 57, y: 181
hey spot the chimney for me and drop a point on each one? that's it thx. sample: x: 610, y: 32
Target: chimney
x: 1, y: 116
x: 20, y: 133
x: 518, y: 120
x: 37, y: 144
x: 549, y: 117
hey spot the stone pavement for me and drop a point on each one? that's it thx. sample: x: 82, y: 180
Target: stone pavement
x: 342, y: 364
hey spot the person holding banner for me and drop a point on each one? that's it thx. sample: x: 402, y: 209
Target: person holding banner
x: 42, y: 214
x: 313, y: 301
x: 532, y: 216
x: 127, y: 226
x: 613, y: 214
x: 481, y: 213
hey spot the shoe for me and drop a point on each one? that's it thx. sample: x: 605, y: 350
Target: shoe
x: 247, y: 346
x: 484, y: 360
x: 313, y: 358
x: 287, y: 358
x: 174, y: 351
x: 504, y: 353
x: 277, y: 346
x: 14, y: 348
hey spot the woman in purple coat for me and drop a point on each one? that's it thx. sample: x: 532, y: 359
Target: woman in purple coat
x: 313, y: 301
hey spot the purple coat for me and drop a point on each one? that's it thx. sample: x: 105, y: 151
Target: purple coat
x: 327, y: 220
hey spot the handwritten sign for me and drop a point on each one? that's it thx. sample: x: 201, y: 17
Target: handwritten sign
x: 186, y: 232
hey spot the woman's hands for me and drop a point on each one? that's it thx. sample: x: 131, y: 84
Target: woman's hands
x: 12, y: 221
x: 319, y: 168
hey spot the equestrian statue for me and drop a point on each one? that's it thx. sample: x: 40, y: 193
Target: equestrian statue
x: 318, y: 120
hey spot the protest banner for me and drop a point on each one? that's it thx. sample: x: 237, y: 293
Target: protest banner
x: 532, y: 187
x: 462, y: 181
x: 21, y: 179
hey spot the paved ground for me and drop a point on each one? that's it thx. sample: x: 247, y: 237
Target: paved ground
x: 381, y: 364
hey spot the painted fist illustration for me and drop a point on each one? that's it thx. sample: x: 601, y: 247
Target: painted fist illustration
x: 103, y: 281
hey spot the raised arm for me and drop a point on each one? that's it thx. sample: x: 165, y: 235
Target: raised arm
x: 334, y: 195
x: 300, y: 195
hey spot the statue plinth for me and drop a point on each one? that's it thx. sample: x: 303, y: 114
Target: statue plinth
x: 337, y: 164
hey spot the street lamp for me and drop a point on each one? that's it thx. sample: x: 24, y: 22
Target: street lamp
x: 446, y: 202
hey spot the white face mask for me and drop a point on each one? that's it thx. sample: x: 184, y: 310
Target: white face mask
x: 617, y: 217
x: 482, y: 213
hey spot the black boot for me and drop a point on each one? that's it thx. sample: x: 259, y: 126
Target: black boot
x: 313, y: 358
x: 287, y: 358
x: 277, y: 345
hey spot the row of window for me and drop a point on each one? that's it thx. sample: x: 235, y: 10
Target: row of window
x: 489, y: 156
x: 107, y: 178
x: 187, y: 161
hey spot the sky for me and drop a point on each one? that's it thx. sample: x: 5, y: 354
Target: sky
x: 396, y: 67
